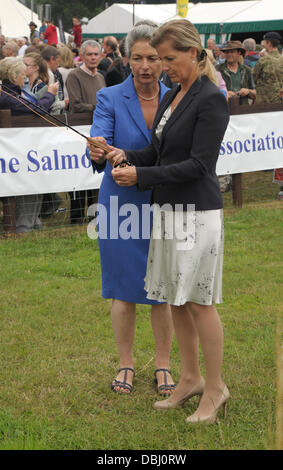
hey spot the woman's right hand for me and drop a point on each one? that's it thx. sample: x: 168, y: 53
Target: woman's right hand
x: 53, y: 88
x: 96, y: 153
x: 115, y: 156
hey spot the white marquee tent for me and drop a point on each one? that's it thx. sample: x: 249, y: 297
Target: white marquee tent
x: 119, y: 18
x: 216, y: 19
x: 15, y: 18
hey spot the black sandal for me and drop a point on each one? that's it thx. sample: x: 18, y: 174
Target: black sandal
x: 164, y: 389
x: 123, y: 384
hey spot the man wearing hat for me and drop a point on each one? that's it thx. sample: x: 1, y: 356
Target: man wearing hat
x: 268, y: 72
x: 237, y: 76
x: 33, y: 31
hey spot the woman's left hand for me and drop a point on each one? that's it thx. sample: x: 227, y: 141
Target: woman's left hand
x: 126, y: 176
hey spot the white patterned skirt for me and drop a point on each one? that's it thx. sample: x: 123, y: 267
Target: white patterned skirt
x: 185, y: 257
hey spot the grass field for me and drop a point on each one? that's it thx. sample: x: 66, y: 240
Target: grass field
x: 58, y: 355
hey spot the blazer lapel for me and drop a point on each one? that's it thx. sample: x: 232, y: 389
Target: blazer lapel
x: 133, y: 105
x: 182, y: 106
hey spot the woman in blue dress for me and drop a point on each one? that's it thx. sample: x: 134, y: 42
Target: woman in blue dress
x: 123, y: 117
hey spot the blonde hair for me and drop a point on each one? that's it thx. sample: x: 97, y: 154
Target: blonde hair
x: 10, y: 68
x: 184, y: 35
x: 210, y: 55
x: 42, y: 66
x: 66, y: 57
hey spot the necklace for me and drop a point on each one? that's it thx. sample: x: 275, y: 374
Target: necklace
x: 148, y: 99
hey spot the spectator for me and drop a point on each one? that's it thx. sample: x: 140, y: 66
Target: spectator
x: 119, y: 70
x: 33, y: 31
x: 31, y: 48
x: 52, y: 57
x: 221, y: 83
x: 77, y: 31
x: 51, y: 34
x: 82, y: 84
x: 37, y: 74
x: 12, y: 74
x: 42, y: 38
x: 211, y: 45
x: 268, y: 72
x: 10, y: 49
x: 251, y: 55
x: 51, y: 202
x: 110, y: 51
x: 76, y: 57
x: 2, y: 43
x: 43, y: 27
x: 66, y: 65
x: 219, y: 55
x: 237, y: 76
x: 225, y: 181
x: 22, y: 45
x: 239, y: 82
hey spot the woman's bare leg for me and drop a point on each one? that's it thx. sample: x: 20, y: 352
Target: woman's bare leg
x: 163, y: 330
x: 123, y: 316
x: 187, y: 338
x: 210, y: 333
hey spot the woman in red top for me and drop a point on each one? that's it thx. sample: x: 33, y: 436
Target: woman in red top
x: 51, y: 34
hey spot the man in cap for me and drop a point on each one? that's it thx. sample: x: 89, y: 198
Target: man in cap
x: 237, y: 76
x: 33, y: 31
x: 268, y: 71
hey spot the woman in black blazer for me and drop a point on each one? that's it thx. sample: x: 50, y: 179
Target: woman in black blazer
x: 186, y: 250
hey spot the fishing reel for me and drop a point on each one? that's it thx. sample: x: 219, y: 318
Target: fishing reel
x: 123, y: 164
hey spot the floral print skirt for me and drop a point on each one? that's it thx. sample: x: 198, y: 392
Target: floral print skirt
x: 185, y: 257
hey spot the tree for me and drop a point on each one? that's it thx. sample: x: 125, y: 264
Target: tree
x: 67, y: 9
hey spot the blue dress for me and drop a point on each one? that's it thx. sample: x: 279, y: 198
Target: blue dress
x: 123, y: 250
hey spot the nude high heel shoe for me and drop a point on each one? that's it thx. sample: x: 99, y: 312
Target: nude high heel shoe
x: 169, y: 403
x: 212, y: 417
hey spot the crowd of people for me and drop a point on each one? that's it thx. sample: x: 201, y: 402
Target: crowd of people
x: 78, y: 70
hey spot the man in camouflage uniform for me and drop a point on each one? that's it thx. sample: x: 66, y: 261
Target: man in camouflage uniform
x: 268, y: 72
x: 237, y: 76
x: 239, y: 82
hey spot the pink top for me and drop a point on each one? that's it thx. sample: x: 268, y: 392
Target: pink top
x: 221, y: 83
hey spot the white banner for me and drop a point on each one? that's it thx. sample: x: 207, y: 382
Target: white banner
x: 252, y: 142
x: 42, y: 160
x: 49, y: 159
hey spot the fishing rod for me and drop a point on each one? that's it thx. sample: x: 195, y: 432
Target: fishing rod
x: 24, y: 101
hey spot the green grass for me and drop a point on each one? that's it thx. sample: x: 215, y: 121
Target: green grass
x: 58, y: 354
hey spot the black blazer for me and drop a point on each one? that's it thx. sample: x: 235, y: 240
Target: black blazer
x: 180, y: 168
